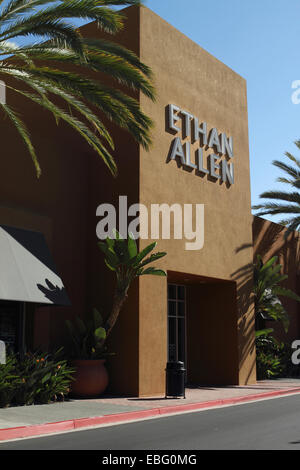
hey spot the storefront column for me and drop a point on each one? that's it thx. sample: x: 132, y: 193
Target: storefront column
x: 152, y: 335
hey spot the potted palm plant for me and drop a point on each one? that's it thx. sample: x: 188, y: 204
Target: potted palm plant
x: 89, y: 354
x: 89, y: 338
x: 122, y: 257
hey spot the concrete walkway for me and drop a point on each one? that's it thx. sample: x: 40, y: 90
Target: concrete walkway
x: 24, y: 421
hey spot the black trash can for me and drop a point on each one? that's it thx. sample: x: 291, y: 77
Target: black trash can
x: 175, y: 379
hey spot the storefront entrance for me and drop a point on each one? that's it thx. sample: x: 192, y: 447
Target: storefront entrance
x: 212, y: 334
x: 202, y: 328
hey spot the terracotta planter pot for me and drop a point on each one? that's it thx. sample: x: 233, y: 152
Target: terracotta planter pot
x: 91, y: 378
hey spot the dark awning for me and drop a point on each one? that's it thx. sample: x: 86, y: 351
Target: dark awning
x: 27, y: 270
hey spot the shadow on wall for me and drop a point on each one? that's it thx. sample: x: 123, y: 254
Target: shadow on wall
x: 269, y: 241
x: 246, y: 322
x: 56, y: 295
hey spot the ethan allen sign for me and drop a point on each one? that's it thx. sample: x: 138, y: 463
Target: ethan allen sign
x: 218, y: 164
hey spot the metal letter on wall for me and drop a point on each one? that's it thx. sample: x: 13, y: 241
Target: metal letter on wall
x: 173, y: 118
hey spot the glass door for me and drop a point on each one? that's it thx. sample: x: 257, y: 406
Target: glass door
x: 176, y: 323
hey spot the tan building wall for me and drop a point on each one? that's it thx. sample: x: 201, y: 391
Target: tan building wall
x: 192, y: 79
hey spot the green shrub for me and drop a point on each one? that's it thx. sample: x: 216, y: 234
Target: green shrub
x: 55, y: 381
x: 9, y: 381
x: 38, y: 378
x: 273, y: 358
x: 268, y: 357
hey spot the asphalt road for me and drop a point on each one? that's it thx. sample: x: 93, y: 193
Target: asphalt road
x: 265, y: 425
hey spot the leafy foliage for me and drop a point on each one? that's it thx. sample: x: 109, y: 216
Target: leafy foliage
x: 122, y: 257
x: 38, y: 378
x: 9, y: 381
x: 285, y: 202
x: 269, y: 354
x: 40, y: 72
x: 88, y: 337
x: 273, y: 358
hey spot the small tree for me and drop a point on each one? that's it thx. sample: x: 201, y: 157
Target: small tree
x: 122, y: 257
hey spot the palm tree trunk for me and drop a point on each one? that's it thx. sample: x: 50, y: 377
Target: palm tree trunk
x: 118, y: 301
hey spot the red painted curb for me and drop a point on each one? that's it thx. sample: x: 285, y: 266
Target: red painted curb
x: 35, y: 430
x: 60, y: 426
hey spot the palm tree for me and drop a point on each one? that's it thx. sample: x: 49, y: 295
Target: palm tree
x: 122, y: 257
x: 289, y: 201
x: 38, y: 70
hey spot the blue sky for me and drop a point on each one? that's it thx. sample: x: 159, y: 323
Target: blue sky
x: 260, y: 40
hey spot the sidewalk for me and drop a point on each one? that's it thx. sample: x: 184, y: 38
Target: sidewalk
x: 25, y: 421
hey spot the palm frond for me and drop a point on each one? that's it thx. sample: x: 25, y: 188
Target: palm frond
x: 118, y: 68
x: 295, y: 183
x: 292, y: 224
x: 61, y: 33
x: 60, y: 45
x: 85, y: 111
x: 119, y: 51
x: 116, y: 105
x: 297, y: 143
x: 291, y: 171
x: 292, y: 157
x: 274, y: 209
x: 15, y: 8
x: 73, y: 102
x: 282, y: 195
x: 21, y: 128
x: 292, y: 178
x: 107, y: 19
x: 78, y: 125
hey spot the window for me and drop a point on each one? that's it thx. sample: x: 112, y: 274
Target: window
x: 176, y: 322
